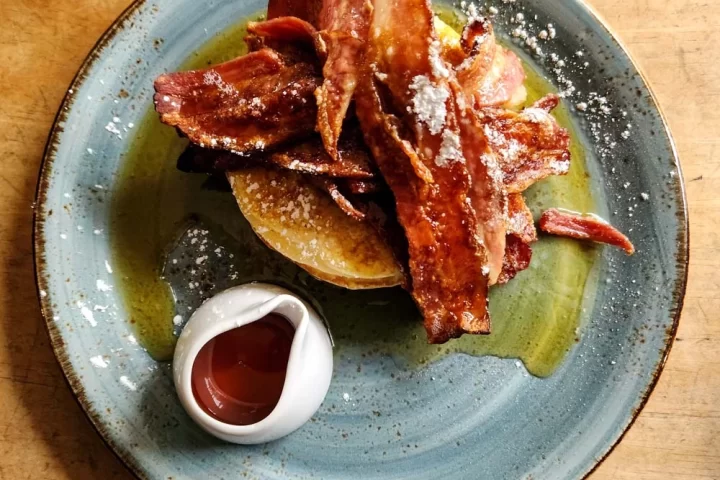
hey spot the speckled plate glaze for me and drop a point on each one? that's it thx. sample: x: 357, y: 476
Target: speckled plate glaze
x: 461, y: 417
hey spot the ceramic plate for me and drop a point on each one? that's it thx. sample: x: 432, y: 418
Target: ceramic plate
x: 389, y: 413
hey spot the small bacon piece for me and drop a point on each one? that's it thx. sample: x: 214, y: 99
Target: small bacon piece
x: 491, y: 74
x: 253, y: 102
x: 478, y: 44
x: 521, y: 233
x: 520, y: 222
x: 548, y: 103
x: 531, y: 145
x: 428, y: 176
x: 363, y: 187
x: 332, y: 188
x: 584, y: 227
x: 518, y: 255
x: 344, y: 33
x: 308, y: 156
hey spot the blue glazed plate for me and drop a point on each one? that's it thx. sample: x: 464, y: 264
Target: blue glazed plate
x: 461, y: 417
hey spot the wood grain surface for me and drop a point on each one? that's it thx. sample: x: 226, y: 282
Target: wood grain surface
x: 43, y: 432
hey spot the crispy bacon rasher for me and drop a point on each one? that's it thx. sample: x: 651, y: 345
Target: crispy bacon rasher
x: 294, y: 39
x: 420, y: 152
x: 340, y: 42
x: 285, y: 30
x: 530, y: 144
x: 307, y: 156
x: 246, y: 105
x: 584, y: 227
x: 490, y: 74
x: 344, y: 26
x: 487, y: 193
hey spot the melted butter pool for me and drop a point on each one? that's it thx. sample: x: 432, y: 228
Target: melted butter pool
x: 536, y: 317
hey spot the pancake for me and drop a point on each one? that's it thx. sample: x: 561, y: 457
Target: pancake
x: 302, y: 223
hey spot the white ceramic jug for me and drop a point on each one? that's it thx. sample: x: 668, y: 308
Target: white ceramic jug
x: 309, y: 368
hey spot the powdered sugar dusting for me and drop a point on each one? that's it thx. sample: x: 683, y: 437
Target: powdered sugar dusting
x: 560, y: 167
x: 128, y: 383
x: 211, y: 77
x: 112, y: 128
x: 102, y: 286
x: 517, y: 222
x: 436, y: 62
x: 429, y: 103
x: 536, y: 115
x: 450, y: 149
x: 87, y: 314
x: 99, y: 362
x: 568, y: 70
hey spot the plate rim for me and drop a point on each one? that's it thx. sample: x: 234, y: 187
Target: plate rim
x: 58, y: 345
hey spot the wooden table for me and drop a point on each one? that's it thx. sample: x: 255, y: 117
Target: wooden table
x: 44, y: 434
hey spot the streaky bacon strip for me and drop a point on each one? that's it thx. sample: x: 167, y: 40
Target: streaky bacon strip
x: 431, y: 188
x: 506, y: 77
x: 311, y: 157
x: 240, y: 71
x: 584, y: 227
x: 487, y: 196
x: 285, y: 29
x: 248, y: 104
x: 344, y: 26
x: 531, y: 145
x: 291, y: 37
x: 491, y: 75
x: 487, y: 193
x: 479, y: 46
x: 308, y: 156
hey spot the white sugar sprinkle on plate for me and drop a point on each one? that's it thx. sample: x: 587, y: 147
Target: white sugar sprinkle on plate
x: 128, y: 383
x: 99, y: 362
